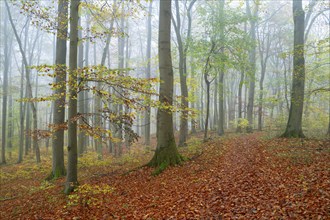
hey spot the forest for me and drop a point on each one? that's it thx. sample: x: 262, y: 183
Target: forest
x: 165, y: 109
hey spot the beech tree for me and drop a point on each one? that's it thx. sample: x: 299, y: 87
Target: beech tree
x: 166, y: 151
x: 183, y: 45
x: 28, y: 84
x: 58, y: 168
x: 252, y: 67
x: 147, y: 113
x: 294, y: 125
x: 71, y: 178
x: 5, y: 92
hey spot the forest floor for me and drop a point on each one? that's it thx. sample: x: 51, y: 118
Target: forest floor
x: 247, y: 176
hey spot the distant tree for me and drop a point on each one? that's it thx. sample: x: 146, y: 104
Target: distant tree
x: 264, y: 43
x: 252, y: 57
x: 29, y: 86
x: 5, y: 91
x: 166, y: 152
x: 147, y: 115
x: 71, y: 178
x: 208, y: 81
x: 294, y: 125
x: 183, y: 45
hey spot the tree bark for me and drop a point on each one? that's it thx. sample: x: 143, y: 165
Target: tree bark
x: 264, y: 47
x: 183, y: 48
x: 294, y: 125
x: 81, y: 96
x: 208, y: 83
x: 148, y: 75
x: 252, y: 69
x: 71, y: 178
x: 240, y: 105
x: 166, y: 152
x: 28, y: 83
x: 58, y: 168
x: 5, y: 92
x: 221, y: 120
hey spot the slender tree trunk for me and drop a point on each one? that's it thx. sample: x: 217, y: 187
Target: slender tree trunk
x: 220, y: 79
x: 221, y: 120
x: 58, y: 168
x: 28, y: 83
x: 120, y: 107
x: 286, y: 87
x: 207, y: 109
x: 261, y: 88
x: 294, y: 125
x: 21, y: 120
x: 86, y: 95
x: 183, y: 79
x: 264, y: 47
x: 202, y: 105
x: 215, y: 104
x: 240, y: 106
x: 148, y: 72
x: 10, y: 105
x: 71, y: 178
x: 166, y: 152
x: 208, y: 83
x: 5, y: 92
x: 252, y: 69
x: 194, y: 103
x: 183, y: 48
x: 81, y: 96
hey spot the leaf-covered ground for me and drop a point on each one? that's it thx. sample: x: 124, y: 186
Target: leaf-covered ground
x: 235, y: 177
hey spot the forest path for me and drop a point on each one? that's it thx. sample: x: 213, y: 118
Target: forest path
x: 235, y: 178
x: 243, y: 176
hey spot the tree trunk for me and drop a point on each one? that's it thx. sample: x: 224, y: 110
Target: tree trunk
x: 81, y: 96
x: 261, y: 88
x: 193, y: 103
x: 166, y: 152
x: 183, y: 79
x: 264, y: 47
x: 294, y: 125
x: 148, y: 75
x: 86, y: 95
x: 215, y: 105
x: 28, y: 84
x: 71, y: 178
x: 221, y: 121
x: 5, y: 92
x: 208, y: 83
x: 252, y: 69
x: 10, y: 104
x: 207, y: 108
x: 58, y: 168
x: 240, y: 106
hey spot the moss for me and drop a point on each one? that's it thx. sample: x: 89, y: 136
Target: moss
x: 293, y: 134
x: 59, y: 172
x: 164, y: 157
x: 70, y: 187
x: 160, y: 169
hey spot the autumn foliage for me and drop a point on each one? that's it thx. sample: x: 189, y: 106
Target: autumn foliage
x: 235, y: 177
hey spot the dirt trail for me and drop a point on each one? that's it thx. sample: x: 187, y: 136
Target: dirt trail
x: 235, y: 178
x: 240, y: 177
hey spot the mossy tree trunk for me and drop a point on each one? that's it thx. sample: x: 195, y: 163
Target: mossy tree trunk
x: 166, y: 153
x: 294, y: 125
